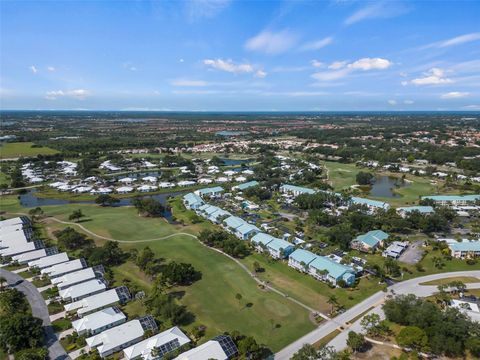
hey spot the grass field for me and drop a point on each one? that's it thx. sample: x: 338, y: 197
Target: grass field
x: 17, y: 149
x: 211, y: 299
x: 308, y: 290
x: 341, y: 176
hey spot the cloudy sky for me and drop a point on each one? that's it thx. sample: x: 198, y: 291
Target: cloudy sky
x: 240, y: 55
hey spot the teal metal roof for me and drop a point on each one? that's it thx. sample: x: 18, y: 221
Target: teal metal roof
x: 335, y: 270
x: 192, y: 199
x: 217, y: 214
x: 212, y: 190
x: 299, y: 189
x: 279, y: 244
x: 372, y: 238
x: 234, y: 222
x: 246, y: 228
x: 210, y: 210
x: 262, y: 238
x: 465, y: 246
x: 420, y: 209
x: 304, y: 256
x: 452, y: 197
x: 247, y: 185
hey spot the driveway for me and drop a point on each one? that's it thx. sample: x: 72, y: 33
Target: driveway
x: 405, y: 287
x: 39, y: 310
x: 413, y: 254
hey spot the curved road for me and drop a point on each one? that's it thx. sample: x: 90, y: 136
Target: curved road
x: 39, y: 310
x: 411, y: 286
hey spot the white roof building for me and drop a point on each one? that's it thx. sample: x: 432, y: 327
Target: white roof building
x: 99, y: 321
x: 163, y: 342
x: 151, y: 179
x: 209, y: 350
x: 127, y: 180
x: 20, y: 248
x: 48, y: 261
x: 11, y: 222
x: 64, y: 268
x: 115, y: 339
x: 94, y: 302
x: 82, y: 290
x: 124, y: 189
x: 30, y: 256
x: 77, y: 277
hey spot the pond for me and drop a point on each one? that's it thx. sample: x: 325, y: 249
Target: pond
x: 233, y: 162
x: 384, y: 186
x: 29, y: 199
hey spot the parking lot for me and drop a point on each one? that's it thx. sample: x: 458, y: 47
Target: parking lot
x: 413, y: 254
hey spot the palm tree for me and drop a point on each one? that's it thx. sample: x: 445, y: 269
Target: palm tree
x: 2, y: 281
x: 332, y: 300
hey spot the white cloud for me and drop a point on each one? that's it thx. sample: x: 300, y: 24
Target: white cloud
x: 79, y: 94
x: 181, y: 60
x: 228, y: 66
x: 340, y: 69
x: 188, y: 83
x: 129, y: 66
x: 317, y: 45
x: 331, y: 75
x: 198, y: 9
x: 371, y: 64
x: 376, y: 10
x: 392, y: 102
x: 435, y: 76
x: 51, y: 68
x: 472, y: 107
x: 408, y: 102
x: 454, y: 95
x: 260, y: 74
x: 33, y: 69
x: 458, y: 40
x: 271, y: 42
x: 316, y: 63
x: 337, y: 65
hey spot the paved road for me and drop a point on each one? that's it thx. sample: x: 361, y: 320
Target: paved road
x: 39, y: 310
x: 406, y: 287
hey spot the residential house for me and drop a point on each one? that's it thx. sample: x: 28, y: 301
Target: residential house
x: 424, y: 210
x: 370, y: 241
x: 300, y: 259
x: 219, y: 348
x: 453, y: 200
x: 157, y: 346
x: 120, y: 337
x: 99, y: 321
x: 465, y: 249
x: 324, y: 268
x: 82, y: 290
x: 295, y: 190
x: 48, y: 261
x: 192, y: 201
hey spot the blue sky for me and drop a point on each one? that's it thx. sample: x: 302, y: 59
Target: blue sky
x: 202, y: 55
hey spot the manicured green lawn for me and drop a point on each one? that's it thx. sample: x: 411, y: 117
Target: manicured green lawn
x: 17, y: 149
x: 212, y: 299
x: 60, y: 325
x: 41, y: 282
x: 4, y: 178
x: 341, y: 176
x: 308, y: 290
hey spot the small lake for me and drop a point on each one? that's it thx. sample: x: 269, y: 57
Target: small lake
x: 234, y: 162
x: 29, y: 199
x: 384, y: 186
